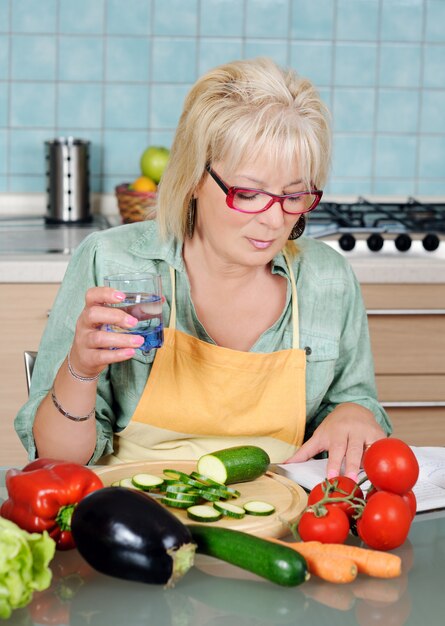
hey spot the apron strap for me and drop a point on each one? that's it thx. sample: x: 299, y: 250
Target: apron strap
x: 172, y: 322
x: 295, y: 320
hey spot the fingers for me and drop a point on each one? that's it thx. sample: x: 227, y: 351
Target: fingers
x: 307, y: 451
x: 353, y: 457
x: 335, y: 459
x: 103, y: 295
x: 98, y: 312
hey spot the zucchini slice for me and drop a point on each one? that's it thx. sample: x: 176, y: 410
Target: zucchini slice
x: 147, y: 482
x: 203, y: 513
x: 258, y: 507
x: 234, y: 465
x: 127, y: 482
x: 230, y: 510
x: 176, y: 504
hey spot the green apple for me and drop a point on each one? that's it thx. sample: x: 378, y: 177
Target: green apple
x: 153, y: 162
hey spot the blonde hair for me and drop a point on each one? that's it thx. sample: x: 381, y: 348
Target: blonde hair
x: 233, y: 112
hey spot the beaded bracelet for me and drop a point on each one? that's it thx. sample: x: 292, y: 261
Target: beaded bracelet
x: 84, y: 379
x: 75, y: 418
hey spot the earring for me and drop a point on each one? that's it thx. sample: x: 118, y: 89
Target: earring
x: 298, y: 228
x: 191, y: 213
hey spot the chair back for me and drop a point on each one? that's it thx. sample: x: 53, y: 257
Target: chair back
x: 30, y: 358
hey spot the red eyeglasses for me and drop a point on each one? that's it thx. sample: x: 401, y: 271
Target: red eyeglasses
x: 247, y: 200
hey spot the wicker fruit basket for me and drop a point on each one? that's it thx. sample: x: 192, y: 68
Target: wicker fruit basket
x: 135, y: 206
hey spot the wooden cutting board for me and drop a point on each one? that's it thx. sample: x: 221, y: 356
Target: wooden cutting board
x: 288, y: 498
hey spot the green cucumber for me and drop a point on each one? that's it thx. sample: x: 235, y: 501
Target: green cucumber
x: 273, y: 561
x: 127, y: 482
x: 177, y: 504
x: 230, y: 510
x: 203, y: 513
x: 258, y: 507
x: 234, y: 465
x: 147, y: 482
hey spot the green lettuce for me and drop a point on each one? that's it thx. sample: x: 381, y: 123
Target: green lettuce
x: 24, y: 561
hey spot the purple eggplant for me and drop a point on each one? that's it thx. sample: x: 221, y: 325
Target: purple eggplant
x: 127, y: 534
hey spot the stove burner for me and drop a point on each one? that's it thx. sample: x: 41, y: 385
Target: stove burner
x: 401, y: 221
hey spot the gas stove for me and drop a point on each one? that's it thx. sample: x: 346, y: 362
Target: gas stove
x: 376, y: 222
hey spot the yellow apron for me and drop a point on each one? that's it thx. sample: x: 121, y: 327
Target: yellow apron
x: 201, y: 397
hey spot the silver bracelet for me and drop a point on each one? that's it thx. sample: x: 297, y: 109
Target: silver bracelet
x: 75, y: 418
x: 84, y: 379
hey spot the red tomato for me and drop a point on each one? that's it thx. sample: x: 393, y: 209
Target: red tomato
x: 410, y: 500
x: 385, y: 521
x: 333, y: 527
x: 391, y: 465
x: 408, y: 497
x: 344, y: 486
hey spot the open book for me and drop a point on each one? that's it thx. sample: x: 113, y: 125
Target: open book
x: 429, y: 489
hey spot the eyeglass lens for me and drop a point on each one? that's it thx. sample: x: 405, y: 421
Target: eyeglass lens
x: 251, y: 201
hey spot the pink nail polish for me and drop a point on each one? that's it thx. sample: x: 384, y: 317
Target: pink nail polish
x: 332, y: 474
x: 352, y: 475
x: 131, y: 321
x: 129, y: 352
x: 119, y: 295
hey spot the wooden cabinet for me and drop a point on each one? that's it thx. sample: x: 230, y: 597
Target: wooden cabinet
x: 23, y: 314
x: 407, y: 327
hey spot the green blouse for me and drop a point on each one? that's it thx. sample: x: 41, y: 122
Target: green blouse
x: 333, y: 328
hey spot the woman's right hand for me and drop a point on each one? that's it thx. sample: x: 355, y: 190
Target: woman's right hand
x: 90, y: 352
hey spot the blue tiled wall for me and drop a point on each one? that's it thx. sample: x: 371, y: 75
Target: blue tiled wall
x: 116, y: 72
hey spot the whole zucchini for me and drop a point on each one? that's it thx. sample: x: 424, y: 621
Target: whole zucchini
x: 234, y: 465
x: 259, y: 556
x: 127, y: 534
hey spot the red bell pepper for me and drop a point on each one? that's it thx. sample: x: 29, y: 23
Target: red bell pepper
x: 43, y: 495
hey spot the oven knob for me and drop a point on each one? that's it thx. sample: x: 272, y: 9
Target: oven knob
x: 347, y: 242
x: 431, y: 242
x: 403, y: 242
x: 375, y: 242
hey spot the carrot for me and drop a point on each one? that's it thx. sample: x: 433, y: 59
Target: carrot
x: 371, y: 562
x: 334, y: 569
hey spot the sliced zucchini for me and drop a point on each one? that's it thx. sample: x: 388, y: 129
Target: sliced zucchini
x: 147, y: 482
x: 258, y: 507
x: 176, y: 504
x: 127, y: 482
x: 234, y: 465
x: 178, y: 487
x: 203, y: 513
x: 229, y: 510
x: 191, y: 498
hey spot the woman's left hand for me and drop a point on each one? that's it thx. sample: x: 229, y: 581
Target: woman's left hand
x: 344, y: 434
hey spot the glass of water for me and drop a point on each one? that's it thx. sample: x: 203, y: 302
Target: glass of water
x: 143, y: 300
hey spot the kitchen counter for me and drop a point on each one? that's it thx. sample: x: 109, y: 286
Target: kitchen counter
x: 386, y: 266
x: 215, y: 593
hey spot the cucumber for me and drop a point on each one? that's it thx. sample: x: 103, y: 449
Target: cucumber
x: 203, y: 513
x: 146, y: 482
x: 177, y: 504
x: 258, y: 507
x: 127, y: 482
x: 234, y: 465
x: 229, y: 510
x: 272, y: 561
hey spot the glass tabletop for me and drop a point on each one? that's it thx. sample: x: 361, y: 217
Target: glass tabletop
x: 214, y: 593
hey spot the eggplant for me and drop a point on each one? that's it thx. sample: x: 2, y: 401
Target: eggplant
x: 127, y: 534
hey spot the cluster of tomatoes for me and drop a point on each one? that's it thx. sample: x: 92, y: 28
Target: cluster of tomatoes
x: 382, y: 517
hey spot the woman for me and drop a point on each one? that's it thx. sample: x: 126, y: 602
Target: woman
x: 267, y: 342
